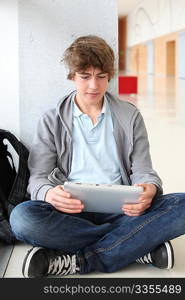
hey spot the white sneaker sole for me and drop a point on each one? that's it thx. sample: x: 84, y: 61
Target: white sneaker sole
x: 27, y: 260
x: 170, y: 255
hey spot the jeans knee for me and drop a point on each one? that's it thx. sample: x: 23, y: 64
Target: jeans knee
x: 28, y: 219
x: 179, y: 199
x: 16, y: 220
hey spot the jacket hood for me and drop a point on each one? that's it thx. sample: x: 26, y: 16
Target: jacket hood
x: 64, y: 111
x: 121, y: 109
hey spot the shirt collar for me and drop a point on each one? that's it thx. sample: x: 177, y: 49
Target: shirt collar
x: 77, y: 112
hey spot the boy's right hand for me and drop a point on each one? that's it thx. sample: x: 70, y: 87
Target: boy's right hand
x: 62, y: 200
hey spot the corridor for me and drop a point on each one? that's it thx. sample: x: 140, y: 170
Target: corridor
x: 161, y: 104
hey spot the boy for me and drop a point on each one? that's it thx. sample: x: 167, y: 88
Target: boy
x: 93, y: 137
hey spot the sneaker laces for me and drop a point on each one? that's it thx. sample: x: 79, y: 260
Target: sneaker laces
x: 146, y: 259
x: 63, y: 264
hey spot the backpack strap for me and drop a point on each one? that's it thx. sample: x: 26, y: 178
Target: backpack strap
x: 10, y: 156
x: 18, y: 191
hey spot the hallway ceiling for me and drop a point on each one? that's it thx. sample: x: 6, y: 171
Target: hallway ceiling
x: 125, y: 6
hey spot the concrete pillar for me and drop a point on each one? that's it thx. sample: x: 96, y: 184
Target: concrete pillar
x: 9, y: 67
x: 46, y: 29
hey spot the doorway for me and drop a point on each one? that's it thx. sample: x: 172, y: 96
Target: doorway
x: 122, y: 42
x: 170, y: 58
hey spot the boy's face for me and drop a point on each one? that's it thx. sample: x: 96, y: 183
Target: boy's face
x: 91, y: 85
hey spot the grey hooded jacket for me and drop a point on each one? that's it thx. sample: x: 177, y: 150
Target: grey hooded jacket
x: 51, y: 153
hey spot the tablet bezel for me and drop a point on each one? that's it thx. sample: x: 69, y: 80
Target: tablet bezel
x: 104, y: 198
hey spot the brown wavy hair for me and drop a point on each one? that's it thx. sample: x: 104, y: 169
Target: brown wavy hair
x: 87, y: 51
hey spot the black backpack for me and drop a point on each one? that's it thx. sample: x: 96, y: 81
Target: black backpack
x: 13, y: 185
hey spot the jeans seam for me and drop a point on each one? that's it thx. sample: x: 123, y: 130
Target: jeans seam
x: 138, y: 228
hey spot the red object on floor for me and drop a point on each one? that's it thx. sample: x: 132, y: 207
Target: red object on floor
x: 127, y: 85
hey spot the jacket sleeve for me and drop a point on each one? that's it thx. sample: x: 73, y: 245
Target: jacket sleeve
x: 42, y: 160
x: 141, y: 164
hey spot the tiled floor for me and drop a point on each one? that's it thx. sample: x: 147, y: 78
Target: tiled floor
x: 14, y: 269
x: 5, y: 254
x: 162, y: 104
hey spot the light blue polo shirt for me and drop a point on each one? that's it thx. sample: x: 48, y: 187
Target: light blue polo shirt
x: 94, y: 158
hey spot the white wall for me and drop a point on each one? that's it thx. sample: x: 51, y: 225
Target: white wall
x: 34, y: 35
x: 47, y: 28
x: 9, y: 66
x: 153, y: 18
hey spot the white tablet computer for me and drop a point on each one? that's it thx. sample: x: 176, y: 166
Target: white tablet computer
x: 103, y: 198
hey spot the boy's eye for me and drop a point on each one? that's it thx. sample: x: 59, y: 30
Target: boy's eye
x: 84, y: 77
x: 88, y: 77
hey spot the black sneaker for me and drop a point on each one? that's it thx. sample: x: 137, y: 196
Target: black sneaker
x: 41, y: 262
x: 162, y: 257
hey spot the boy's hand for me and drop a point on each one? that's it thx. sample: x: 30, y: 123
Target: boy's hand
x: 62, y: 200
x: 145, y: 201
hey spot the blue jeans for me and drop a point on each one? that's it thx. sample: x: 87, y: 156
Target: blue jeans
x: 102, y: 242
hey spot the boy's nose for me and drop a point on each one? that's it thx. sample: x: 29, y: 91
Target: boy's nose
x: 93, y: 83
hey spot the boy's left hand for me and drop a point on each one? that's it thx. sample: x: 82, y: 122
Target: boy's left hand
x: 145, y: 201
